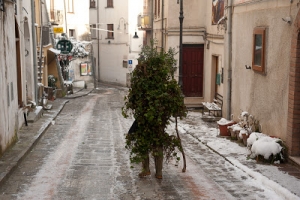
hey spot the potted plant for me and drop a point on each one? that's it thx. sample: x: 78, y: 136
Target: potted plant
x: 51, y: 89
x: 223, y: 126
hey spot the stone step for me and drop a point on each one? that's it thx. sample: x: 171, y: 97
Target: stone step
x: 35, y: 114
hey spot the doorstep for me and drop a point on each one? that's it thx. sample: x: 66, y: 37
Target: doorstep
x: 193, y: 102
x: 295, y: 160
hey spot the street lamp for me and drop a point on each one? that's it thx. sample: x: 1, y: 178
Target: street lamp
x: 180, y: 43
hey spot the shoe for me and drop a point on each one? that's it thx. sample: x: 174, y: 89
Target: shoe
x: 143, y: 174
x: 158, y: 177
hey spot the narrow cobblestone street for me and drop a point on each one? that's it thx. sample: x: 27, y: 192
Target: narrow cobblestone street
x: 82, y: 156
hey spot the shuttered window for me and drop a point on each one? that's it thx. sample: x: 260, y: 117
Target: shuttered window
x: 92, y: 4
x: 52, y: 17
x: 93, y: 31
x: 110, y: 32
x: 110, y: 3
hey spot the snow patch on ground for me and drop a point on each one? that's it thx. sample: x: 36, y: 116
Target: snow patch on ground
x: 238, y: 154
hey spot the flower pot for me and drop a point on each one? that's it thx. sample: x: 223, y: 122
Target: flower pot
x: 233, y: 134
x: 49, y: 91
x: 245, y: 137
x: 224, y: 131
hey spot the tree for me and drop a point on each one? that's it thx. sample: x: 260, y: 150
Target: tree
x: 154, y: 97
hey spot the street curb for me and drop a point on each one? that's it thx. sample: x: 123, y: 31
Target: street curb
x: 13, y: 166
x: 74, y: 96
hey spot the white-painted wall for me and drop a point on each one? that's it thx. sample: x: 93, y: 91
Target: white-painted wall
x: 11, y: 117
x: 112, y: 52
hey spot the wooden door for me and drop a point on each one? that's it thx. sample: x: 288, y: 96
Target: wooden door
x: 192, y: 70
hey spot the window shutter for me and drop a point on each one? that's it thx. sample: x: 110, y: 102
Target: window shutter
x: 46, y: 35
x: 92, y: 4
x: 110, y: 33
x: 110, y: 3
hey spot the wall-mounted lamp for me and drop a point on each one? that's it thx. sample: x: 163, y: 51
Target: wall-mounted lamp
x: 248, y: 67
x: 135, y: 35
x: 108, y: 41
x: 287, y: 19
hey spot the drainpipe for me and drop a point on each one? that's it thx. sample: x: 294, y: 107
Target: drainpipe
x: 41, y: 42
x: 34, y: 50
x: 162, y: 25
x: 67, y: 32
x: 152, y: 19
x: 229, y: 59
x: 98, y: 41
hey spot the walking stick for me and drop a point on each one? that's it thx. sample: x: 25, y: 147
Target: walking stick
x: 181, y: 148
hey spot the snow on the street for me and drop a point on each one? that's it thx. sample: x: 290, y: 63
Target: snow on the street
x: 237, y: 156
x: 46, y: 181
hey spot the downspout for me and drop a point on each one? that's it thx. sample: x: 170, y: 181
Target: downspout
x: 162, y: 25
x: 152, y: 19
x: 98, y: 41
x: 65, y: 9
x: 229, y: 59
x: 41, y: 42
x: 34, y: 50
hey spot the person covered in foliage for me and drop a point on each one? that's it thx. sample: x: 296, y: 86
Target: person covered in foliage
x: 154, y: 97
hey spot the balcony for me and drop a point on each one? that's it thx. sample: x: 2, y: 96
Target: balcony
x: 56, y: 17
x: 144, y: 22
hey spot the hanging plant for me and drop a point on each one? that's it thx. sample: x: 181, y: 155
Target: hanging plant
x: 154, y: 97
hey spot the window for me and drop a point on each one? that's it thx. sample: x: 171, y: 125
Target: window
x: 110, y: 32
x: 86, y: 69
x: 110, y: 3
x: 70, y: 6
x: 45, y: 36
x: 145, y: 4
x: 92, y: 4
x: 93, y: 31
x: 158, y: 9
x: 258, y: 53
x: 71, y: 32
x: 52, y: 17
x: 155, y: 8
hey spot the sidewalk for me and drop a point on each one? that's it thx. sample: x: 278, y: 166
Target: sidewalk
x: 29, y: 135
x: 284, y: 178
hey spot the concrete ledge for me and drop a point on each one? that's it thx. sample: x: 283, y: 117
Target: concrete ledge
x: 35, y: 115
x: 79, y: 84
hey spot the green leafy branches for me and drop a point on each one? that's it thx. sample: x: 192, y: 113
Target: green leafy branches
x: 154, y: 97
